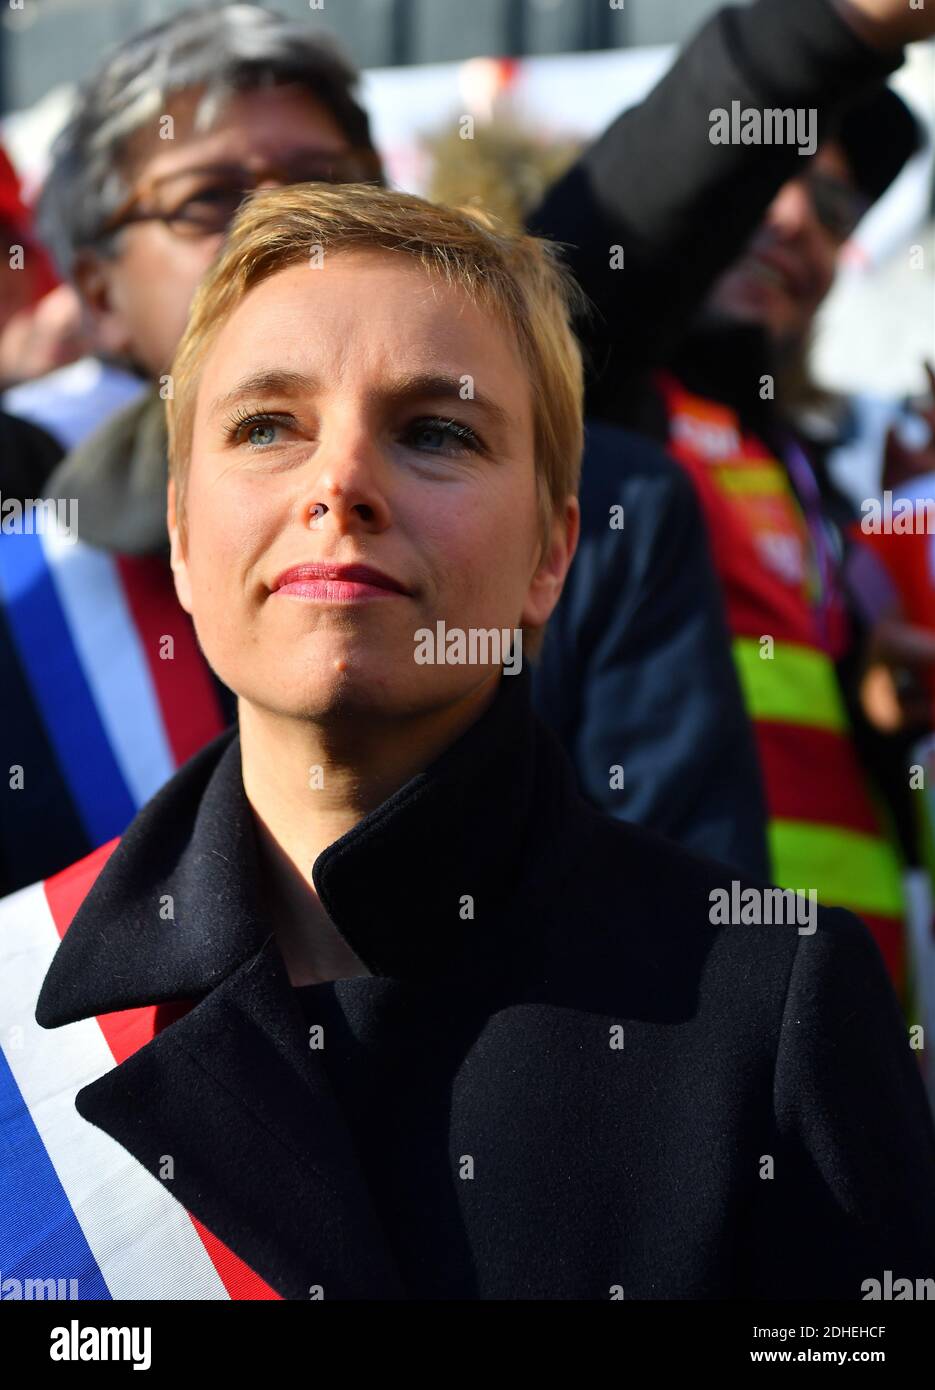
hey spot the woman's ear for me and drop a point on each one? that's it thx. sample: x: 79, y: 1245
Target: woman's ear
x: 546, y: 586
x: 178, y: 559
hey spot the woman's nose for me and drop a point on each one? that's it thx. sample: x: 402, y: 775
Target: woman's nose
x: 348, y: 486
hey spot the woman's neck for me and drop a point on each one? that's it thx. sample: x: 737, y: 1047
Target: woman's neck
x: 308, y: 784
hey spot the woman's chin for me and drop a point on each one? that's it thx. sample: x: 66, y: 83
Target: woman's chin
x: 338, y: 684
x: 363, y: 685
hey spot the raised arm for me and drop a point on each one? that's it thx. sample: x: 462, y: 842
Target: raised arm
x: 680, y: 207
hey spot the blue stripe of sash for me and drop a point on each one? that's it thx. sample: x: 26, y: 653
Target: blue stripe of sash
x: 53, y: 667
x: 40, y: 1237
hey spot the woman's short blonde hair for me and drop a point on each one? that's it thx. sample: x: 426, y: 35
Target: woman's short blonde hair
x: 518, y: 277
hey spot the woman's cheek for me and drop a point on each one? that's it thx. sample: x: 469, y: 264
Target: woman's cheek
x: 232, y: 524
x: 483, y: 558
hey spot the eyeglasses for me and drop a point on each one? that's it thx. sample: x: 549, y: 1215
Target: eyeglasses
x: 202, y: 202
x: 839, y: 206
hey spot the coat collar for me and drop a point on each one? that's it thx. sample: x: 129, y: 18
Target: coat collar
x: 260, y: 1148
x: 423, y: 886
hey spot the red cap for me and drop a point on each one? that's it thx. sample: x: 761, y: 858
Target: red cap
x: 15, y: 213
x: 12, y: 207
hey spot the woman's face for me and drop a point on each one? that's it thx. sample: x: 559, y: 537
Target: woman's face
x: 361, y: 414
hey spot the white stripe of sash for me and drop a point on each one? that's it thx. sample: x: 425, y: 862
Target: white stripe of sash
x: 113, y: 661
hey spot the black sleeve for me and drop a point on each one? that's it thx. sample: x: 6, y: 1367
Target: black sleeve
x: 679, y: 206
x: 40, y: 828
x: 854, y: 1190
x: 636, y: 668
x: 28, y: 456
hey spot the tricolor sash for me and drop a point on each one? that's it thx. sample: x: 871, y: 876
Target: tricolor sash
x: 106, y: 691
x: 77, y: 1209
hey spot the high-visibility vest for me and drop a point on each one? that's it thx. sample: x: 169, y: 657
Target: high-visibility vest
x: 80, y: 1217
x: 825, y: 830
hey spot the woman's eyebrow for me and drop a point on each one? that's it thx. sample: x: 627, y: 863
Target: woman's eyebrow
x: 433, y: 385
x: 440, y: 386
x: 263, y: 383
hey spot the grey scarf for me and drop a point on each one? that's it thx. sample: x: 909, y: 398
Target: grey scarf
x: 118, y: 477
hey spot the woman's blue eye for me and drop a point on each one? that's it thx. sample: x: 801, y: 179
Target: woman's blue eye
x: 255, y: 430
x: 262, y: 433
x: 439, y: 434
x: 431, y: 436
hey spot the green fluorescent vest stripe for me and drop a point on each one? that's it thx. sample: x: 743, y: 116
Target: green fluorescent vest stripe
x: 848, y: 869
x: 795, y: 686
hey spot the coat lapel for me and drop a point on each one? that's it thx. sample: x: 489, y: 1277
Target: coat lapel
x: 232, y: 1104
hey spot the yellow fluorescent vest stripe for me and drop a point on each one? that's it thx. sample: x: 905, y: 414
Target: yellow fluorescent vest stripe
x: 847, y: 868
x: 796, y: 685
x: 752, y: 482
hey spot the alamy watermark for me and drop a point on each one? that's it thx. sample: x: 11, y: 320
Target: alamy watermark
x: 38, y: 1290
x: 473, y: 646
x: 902, y: 516
x: 40, y: 516
x: 764, y: 907
x: 77, y: 1343
x: 748, y: 125
x: 897, y: 1290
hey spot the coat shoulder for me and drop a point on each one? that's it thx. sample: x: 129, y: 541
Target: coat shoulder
x: 670, y: 923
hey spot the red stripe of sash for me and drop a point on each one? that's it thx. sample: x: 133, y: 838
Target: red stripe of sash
x: 67, y: 890
x: 240, y: 1281
x: 190, y: 710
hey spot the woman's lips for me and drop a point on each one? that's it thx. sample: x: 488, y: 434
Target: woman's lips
x: 338, y: 583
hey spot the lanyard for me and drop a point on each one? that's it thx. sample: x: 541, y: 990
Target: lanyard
x: 809, y: 495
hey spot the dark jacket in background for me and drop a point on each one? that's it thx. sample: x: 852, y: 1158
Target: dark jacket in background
x: 27, y: 458
x: 582, y: 1090
x: 636, y: 671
